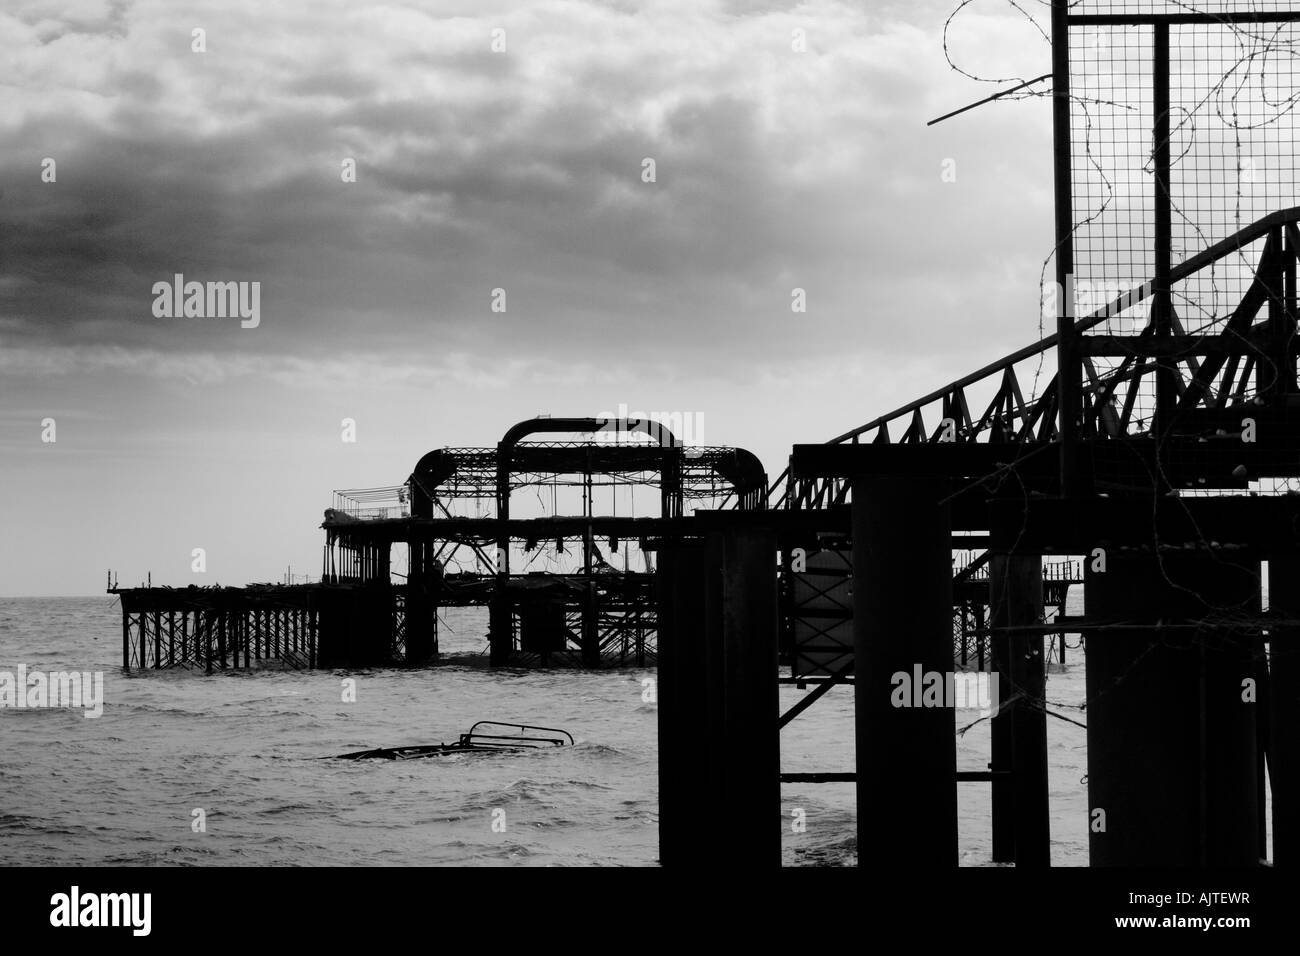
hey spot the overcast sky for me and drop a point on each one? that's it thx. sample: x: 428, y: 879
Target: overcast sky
x: 476, y: 170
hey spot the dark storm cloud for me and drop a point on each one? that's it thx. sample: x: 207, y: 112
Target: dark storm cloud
x: 776, y: 169
x: 479, y: 170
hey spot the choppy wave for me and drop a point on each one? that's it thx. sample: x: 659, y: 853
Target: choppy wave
x: 122, y: 789
x: 243, y: 749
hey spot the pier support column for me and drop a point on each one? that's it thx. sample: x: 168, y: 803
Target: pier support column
x: 713, y: 707
x: 500, y: 636
x: 719, y: 739
x: 590, y: 626
x: 1284, y: 723
x: 902, y: 623
x: 419, y: 621
x: 684, y: 751
x: 751, y: 753
x: 1171, y: 743
x: 1021, y: 825
x: 420, y: 609
x: 1002, y: 788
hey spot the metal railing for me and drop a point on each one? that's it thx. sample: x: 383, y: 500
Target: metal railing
x: 372, y: 504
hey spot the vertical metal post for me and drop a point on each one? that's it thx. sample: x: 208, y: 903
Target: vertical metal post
x: 751, y: 707
x: 685, y: 835
x: 670, y: 702
x: 905, y: 748
x: 1263, y: 731
x: 1289, y: 253
x: 500, y: 613
x: 713, y: 663
x: 433, y: 629
x: 1280, y: 329
x: 586, y: 513
x: 1162, y: 305
x: 1069, y: 366
x: 221, y: 636
x: 590, y: 625
x: 965, y: 631
x: 1002, y: 789
x: 1284, y: 721
x: 500, y: 624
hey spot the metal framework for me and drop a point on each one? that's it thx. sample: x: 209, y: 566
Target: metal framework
x: 480, y: 522
x: 1175, y: 393
x: 218, y: 629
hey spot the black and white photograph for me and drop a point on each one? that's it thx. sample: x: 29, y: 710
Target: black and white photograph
x: 839, y: 444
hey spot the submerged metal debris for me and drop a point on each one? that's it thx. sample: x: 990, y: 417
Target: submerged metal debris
x: 474, y: 742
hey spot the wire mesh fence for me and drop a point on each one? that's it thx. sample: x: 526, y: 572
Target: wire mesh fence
x: 1232, y: 98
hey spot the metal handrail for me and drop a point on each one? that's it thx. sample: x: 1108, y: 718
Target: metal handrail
x: 1238, y: 240
x: 513, y: 738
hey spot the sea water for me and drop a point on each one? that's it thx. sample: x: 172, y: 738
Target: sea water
x: 184, y: 768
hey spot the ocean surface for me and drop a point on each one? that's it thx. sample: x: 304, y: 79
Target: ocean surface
x: 244, y: 748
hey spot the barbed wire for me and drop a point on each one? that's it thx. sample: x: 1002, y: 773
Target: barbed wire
x: 1248, y: 56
